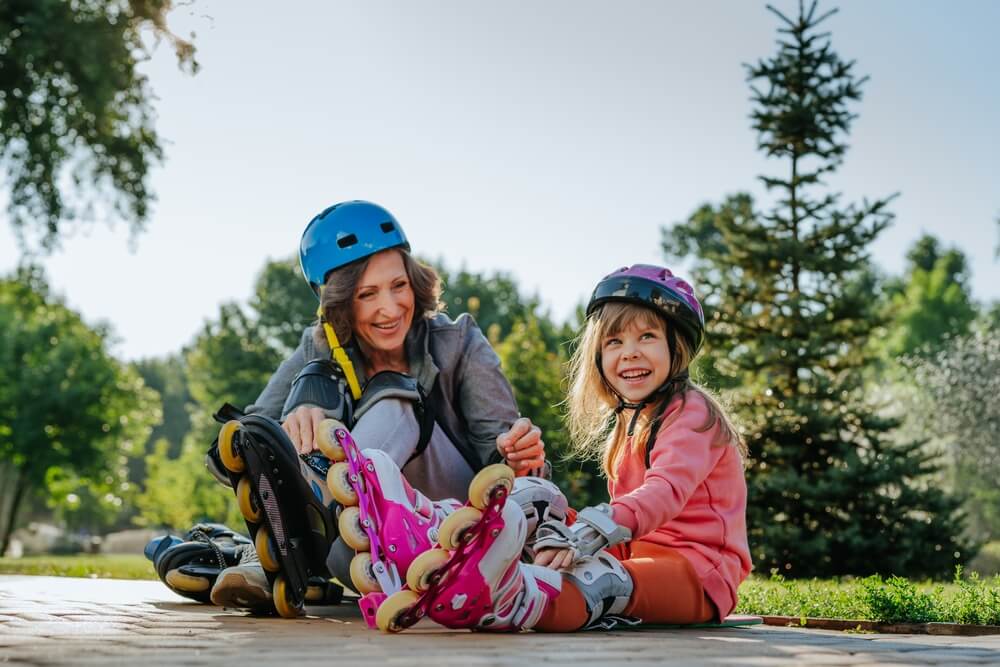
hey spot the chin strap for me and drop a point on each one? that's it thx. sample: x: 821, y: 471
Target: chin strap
x: 638, y: 407
x: 340, y: 356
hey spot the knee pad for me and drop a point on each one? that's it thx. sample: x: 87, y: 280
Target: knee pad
x: 388, y: 384
x: 606, y: 587
x: 321, y: 383
x: 541, y: 500
x: 392, y: 385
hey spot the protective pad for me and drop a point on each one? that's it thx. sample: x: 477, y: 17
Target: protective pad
x: 321, y: 383
x: 388, y: 384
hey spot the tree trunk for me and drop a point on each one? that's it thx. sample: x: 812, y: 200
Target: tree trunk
x: 20, y: 486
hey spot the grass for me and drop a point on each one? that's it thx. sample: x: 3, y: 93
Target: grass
x: 130, y: 566
x: 968, y: 599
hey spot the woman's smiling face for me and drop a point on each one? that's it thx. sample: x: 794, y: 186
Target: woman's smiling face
x: 636, y: 361
x: 383, y: 303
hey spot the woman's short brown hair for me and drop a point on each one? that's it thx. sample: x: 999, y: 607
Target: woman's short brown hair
x: 338, y: 295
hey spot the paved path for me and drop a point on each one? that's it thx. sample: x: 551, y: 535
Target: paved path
x: 55, y: 621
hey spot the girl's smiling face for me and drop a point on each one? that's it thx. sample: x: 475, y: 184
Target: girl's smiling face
x: 383, y: 303
x: 636, y: 361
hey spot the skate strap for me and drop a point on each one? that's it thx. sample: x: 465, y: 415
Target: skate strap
x: 228, y: 412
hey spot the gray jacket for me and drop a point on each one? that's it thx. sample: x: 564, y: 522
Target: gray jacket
x: 456, y: 368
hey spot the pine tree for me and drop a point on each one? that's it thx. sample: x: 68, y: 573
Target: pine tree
x: 793, y: 303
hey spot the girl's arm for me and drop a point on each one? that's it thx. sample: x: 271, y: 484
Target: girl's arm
x: 681, y: 459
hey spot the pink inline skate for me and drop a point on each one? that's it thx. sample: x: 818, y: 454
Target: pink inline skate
x: 385, y: 520
x: 475, y: 579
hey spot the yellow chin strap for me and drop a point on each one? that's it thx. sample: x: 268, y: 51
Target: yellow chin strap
x: 340, y: 356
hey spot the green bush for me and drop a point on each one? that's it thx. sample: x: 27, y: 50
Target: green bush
x: 897, y: 600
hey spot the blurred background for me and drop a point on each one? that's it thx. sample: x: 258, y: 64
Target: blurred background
x: 829, y: 182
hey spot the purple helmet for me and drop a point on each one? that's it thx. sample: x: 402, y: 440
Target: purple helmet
x: 654, y: 287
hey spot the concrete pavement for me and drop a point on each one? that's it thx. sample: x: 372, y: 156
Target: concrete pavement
x: 59, y: 621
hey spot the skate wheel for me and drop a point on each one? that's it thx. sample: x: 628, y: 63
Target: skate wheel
x: 351, y: 531
x: 424, y: 568
x: 363, y: 575
x: 486, y: 481
x: 179, y: 581
x: 265, y: 550
x: 245, y: 499
x: 453, y: 531
x: 338, y: 481
x: 327, y: 442
x: 394, y: 606
x: 283, y: 601
x: 231, y: 459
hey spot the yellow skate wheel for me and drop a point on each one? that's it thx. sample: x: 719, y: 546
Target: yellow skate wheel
x: 265, y: 550
x: 327, y: 442
x: 315, y: 593
x: 486, y: 481
x: 230, y: 457
x: 452, y: 532
x: 423, y: 568
x: 245, y: 499
x: 282, y: 600
x: 351, y: 531
x: 363, y: 575
x: 338, y: 481
x: 394, y: 606
x: 185, y: 582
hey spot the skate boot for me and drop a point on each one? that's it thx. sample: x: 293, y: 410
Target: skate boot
x: 475, y: 578
x: 189, y: 565
x: 383, y: 519
x: 541, y: 501
x: 289, y: 520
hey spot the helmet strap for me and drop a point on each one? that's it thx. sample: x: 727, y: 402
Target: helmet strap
x: 340, y: 356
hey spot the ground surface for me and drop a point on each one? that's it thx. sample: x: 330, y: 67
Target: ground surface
x: 60, y: 621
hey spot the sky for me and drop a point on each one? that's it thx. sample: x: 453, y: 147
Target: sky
x: 551, y: 140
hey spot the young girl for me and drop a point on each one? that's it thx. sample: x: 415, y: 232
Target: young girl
x: 671, y: 547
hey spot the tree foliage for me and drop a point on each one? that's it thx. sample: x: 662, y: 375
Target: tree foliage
x: 70, y: 414
x: 932, y: 302
x: 76, y: 113
x: 791, y: 299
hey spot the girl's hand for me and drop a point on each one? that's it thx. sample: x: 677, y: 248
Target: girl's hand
x: 554, y: 559
x: 522, y: 447
x: 301, y: 425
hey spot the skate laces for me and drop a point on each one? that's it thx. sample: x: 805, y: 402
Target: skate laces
x: 199, y: 535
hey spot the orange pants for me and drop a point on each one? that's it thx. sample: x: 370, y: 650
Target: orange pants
x: 665, y: 590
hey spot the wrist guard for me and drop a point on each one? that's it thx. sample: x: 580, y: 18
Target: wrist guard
x: 593, y: 531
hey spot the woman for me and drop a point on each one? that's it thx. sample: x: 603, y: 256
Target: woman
x: 434, y: 397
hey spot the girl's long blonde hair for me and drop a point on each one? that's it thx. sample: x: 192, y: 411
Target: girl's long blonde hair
x: 594, y: 426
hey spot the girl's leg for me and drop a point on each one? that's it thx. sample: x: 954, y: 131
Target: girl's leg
x: 653, y: 569
x: 667, y: 590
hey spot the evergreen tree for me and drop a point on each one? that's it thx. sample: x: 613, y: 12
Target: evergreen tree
x: 792, y: 306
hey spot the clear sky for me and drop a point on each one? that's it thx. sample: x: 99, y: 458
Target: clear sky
x: 548, y: 139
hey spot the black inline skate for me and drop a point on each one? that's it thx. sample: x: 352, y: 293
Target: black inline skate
x: 290, y: 525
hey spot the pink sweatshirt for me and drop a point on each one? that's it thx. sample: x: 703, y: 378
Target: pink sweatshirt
x: 693, y: 498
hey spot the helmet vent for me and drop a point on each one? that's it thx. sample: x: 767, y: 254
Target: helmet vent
x: 388, y: 227
x: 347, y: 241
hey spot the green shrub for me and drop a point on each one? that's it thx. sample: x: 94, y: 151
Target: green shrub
x: 897, y: 600
x: 975, y: 602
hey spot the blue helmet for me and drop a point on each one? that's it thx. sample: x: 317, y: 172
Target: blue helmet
x: 345, y: 233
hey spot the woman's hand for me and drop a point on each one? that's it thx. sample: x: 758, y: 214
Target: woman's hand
x: 554, y: 559
x: 522, y: 447
x: 301, y: 425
